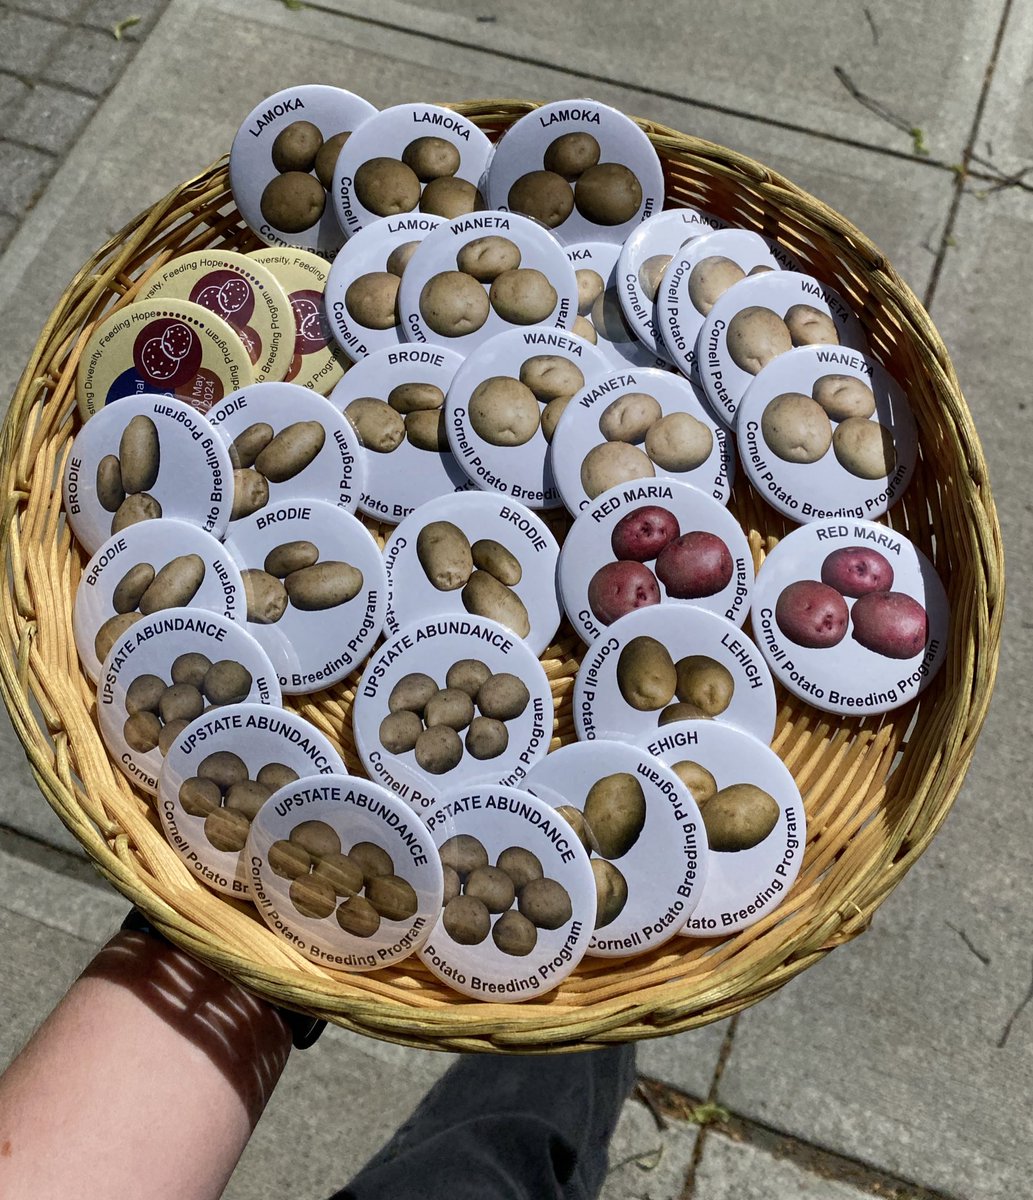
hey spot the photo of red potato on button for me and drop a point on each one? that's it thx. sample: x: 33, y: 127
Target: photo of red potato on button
x: 690, y: 565
x: 815, y: 615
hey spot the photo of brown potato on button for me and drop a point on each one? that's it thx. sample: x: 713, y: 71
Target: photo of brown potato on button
x: 480, y: 899
x: 124, y: 480
x: 372, y: 299
x: 710, y: 278
x: 431, y: 158
x: 551, y: 376
x: 630, y: 417
x: 158, y: 711
x: 796, y: 428
x: 809, y: 326
x: 571, y: 154
x: 679, y: 442
x: 572, y: 176
x: 676, y: 442
x: 387, y: 187
x: 651, y: 274
x: 293, y: 201
x: 295, y: 198
x: 843, y: 396
x: 611, y: 463
x: 454, y: 304
x: 413, y: 412
x: 504, y: 412
x: 738, y: 817
x: 261, y: 456
x: 326, y: 158
x: 428, y: 720
x: 705, y: 683
x: 864, y: 448
x: 609, y: 825
x: 450, y: 198
x: 646, y: 674
x: 755, y: 336
x: 590, y: 286
x: 608, y: 194
x: 295, y: 147
x: 380, y: 428
x: 292, y: 574
x: 487, y: 572
x: 489, y: 277
x: 543, y: 195
x: 399, y: 258
x: 584, y: 328
x: 523, y: 296
x: 142, y: 591
x: 223, y: 794
x: 487, y: 257
x: 357, y: 884
x: 554, y: 380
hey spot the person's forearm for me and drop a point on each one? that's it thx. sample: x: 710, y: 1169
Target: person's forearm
x: 146, y: 1080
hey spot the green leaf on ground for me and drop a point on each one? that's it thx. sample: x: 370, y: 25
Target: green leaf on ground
x: 708, y: 1114
x: 121, y: 26
x: 293, y: 5
x: 918, y: 145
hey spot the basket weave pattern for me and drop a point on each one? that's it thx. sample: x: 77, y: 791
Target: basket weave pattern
x: 875, y: 789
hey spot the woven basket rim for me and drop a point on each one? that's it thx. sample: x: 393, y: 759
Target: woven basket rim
x: 459, y: 1023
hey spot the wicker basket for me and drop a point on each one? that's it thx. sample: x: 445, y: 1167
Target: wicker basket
x: 876, y: 790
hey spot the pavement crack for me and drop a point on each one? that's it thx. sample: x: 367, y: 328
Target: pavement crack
x: 983, y: 958
x: 724, y: 1054
x: 715, y: 1114
x: 644, y: 1093
x: 645, y: 1160
x: 871, y: 25
x: 631, y: 85
x: 812, y: 1159
x: 968, y: 156
x: 880, y: 109
x: 55, y: 859
x: 1006, y: 1031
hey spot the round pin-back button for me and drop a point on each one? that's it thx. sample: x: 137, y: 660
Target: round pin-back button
x: 851, y: 616
x: 161, y: 347
x: 394, y: 399
x: 143, y: 458
x: 344, y: 871
x: 316, y: 590
x: 826, y: 432
x: 478, y: 553
x: 754, y: 822
x: 282, y: 164
x: 451, y: 700
x: 519, y: 901
x: 670, y: 663
x: 661, y: 543
x: 241, y: 290
x: 638, y: 426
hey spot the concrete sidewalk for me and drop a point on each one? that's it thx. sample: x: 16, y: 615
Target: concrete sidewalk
x: 899, y: 1066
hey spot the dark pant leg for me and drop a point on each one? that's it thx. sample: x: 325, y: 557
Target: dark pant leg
x: 535, y: 1127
